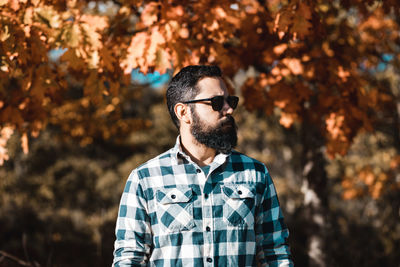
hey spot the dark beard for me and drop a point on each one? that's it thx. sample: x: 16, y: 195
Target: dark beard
x: 222, y: 138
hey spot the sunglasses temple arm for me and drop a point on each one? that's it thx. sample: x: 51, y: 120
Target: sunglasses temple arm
x: 197, y: 100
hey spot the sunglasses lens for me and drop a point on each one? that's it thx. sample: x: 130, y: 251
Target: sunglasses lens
x: 217, y: 102
x: 232, y: 101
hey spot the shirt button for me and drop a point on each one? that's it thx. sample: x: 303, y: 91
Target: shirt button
x: 198, y: 170
x: 208, y: 229
x: 209, y: 259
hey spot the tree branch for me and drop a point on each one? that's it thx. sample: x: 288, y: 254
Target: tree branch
x: 17, y: 260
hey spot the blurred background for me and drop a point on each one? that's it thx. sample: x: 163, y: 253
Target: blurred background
x: 82, y: 103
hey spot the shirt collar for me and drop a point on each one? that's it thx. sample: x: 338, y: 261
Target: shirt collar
x: 177, y: 151
x: 178, y: 154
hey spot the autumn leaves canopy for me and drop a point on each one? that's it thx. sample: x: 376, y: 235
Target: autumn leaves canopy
x: 314, y: 61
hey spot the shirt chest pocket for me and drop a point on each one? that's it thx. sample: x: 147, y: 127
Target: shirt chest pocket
x: 239, y: 204
x: 175, y: 209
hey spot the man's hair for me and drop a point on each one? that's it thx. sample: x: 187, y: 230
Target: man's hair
x: 183, y: 86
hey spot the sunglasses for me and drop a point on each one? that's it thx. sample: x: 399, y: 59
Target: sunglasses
x: 217, y: 102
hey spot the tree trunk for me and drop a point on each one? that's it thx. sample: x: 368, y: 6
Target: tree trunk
x: 314, y: 188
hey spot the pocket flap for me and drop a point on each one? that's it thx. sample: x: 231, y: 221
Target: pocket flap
x: 238, y: 191
x: 174, y: 195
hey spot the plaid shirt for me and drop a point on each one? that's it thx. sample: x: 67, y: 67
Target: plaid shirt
x: 173, y: 214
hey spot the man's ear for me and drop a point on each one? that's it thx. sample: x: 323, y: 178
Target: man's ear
x: 182, y: 112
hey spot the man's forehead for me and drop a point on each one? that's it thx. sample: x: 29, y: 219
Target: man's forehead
x: 211, y: 85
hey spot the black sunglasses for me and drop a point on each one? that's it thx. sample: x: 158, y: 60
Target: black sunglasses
x: 217, y: 102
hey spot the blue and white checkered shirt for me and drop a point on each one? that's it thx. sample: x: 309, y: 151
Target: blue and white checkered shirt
x: 173, y: 214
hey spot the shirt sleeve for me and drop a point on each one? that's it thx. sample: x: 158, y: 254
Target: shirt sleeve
x: 133, y: 233
x: 271, y: 231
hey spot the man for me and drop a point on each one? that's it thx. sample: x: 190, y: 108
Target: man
x: 201, y: 203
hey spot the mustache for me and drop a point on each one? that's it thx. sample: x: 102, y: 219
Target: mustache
x: 228, y: 121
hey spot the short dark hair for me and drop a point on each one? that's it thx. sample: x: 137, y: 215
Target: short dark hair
x: 183, y: 86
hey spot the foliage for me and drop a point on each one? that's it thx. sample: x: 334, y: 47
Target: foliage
x: 326, y: 71
x: 314, y: 60
x: 311, y: 56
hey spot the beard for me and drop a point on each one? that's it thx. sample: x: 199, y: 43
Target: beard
x: 222, y: 137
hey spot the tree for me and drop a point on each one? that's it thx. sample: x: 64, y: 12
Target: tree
x: 315, y: 63
x: 310, y: 57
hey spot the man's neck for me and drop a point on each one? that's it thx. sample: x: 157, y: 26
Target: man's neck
x: 199, y: 153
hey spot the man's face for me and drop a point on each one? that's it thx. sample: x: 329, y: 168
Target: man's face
x: 215, y: 129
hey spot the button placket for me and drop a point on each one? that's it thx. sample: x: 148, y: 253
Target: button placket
x: 207, y: 227
x: 206, y: 202
x: 208, y: 238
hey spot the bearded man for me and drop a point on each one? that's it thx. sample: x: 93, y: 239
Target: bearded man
x: 201, y: 203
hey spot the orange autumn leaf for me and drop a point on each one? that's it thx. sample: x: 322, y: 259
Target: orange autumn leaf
x: 98, y: 23
x: 294, y: 65
x: 283, y: 20
x: 156, y: 42
x: 279, y: 49
x: 135, y: 51
x: 287, y: 119
x: 301, y: 21
x: 149, y: 14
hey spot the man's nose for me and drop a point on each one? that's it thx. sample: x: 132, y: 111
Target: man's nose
x: 226, y: 109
